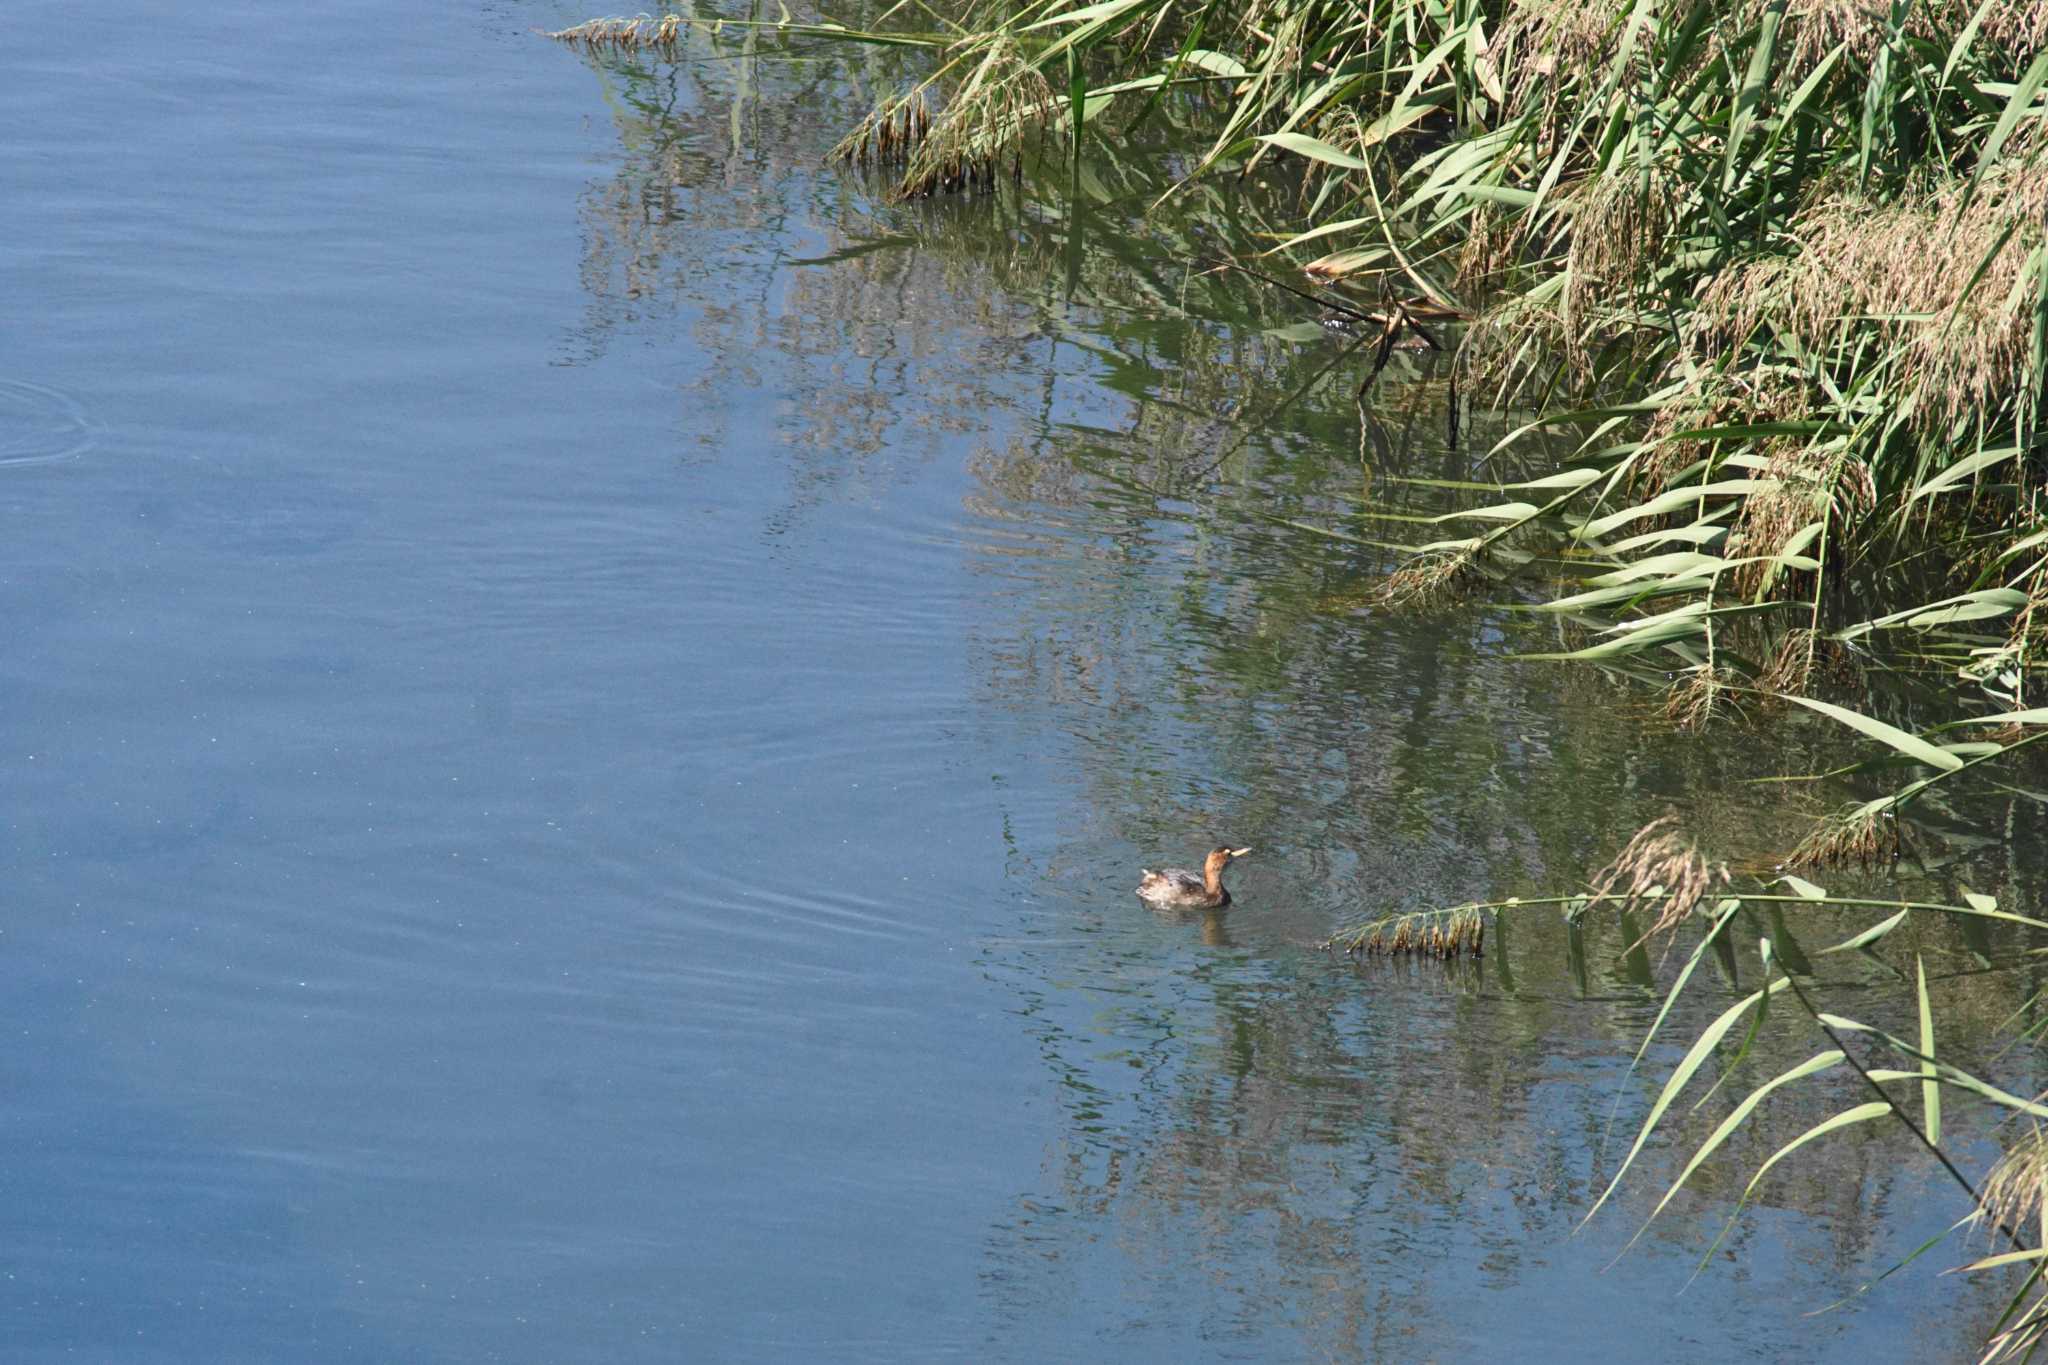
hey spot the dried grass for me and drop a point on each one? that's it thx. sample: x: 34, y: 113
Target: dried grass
x: 1429, y: 580
x: 1863, y: 838
x: 1905, y: 268
x: 1490, y: 249
x: 640, y: 32
x: 1620, y: 226
x: 1805, y: 656
x: 1802, y: 488
x: 2015, y: 1195
x: 2018, y: 26
x: 963, y: 145
x: 1713, y: 399
x: 1695, y: 697
x: 1459, y: 931
x: 1814, y: 27
x: 1540, y: 38
x: 2016, y: 1192
x: 1511, y: 343
x: 1659, y: 867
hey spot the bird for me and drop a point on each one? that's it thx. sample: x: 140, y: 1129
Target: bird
x: 1177, y: 888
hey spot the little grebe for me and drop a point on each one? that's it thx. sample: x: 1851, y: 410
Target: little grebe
x: 1181, y: 889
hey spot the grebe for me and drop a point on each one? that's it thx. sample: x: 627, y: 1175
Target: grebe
x: 1178, y: 888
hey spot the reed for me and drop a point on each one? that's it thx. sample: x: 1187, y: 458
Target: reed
x: 1444, y: 935
x: 1861, y: 1074
x: 1778, y: 270
x: 1784, y: 265
x: 641, y: 31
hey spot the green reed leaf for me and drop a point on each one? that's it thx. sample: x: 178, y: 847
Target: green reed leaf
x: 1681, y: 1076
x: 1912, y: 746
x: 1930, y: 1089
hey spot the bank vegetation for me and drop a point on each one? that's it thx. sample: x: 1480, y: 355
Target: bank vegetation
x: 1774, y: 275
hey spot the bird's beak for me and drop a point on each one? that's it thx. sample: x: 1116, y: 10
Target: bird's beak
x: 1239, y: 852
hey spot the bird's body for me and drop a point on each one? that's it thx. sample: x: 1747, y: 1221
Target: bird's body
x: 1177, y: 888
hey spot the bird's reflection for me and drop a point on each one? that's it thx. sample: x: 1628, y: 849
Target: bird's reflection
x: 1213, y: 923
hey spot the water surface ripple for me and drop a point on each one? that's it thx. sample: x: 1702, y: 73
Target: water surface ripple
x: 576, y: 761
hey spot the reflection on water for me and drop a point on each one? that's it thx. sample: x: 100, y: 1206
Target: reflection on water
x: 580, y: 760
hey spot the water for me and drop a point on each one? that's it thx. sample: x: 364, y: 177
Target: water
x: 583, y: 700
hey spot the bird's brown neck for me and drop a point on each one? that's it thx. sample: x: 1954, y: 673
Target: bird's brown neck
x: 1212, y: 875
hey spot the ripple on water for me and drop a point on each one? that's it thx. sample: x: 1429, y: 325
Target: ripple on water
x: 263, y: 513
x: 39, y: 425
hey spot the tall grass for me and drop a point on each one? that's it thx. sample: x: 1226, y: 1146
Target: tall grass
x: 1861, y: 1074
x: 1779, y: 269
x: 1782, y: 267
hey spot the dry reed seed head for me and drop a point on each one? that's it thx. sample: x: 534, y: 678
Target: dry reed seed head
x: 1853, y: 486
x: 1668, y: 456
x: 1659, y: 866
x: 1510, y: 344
x: 1537, y: 39
x: 2015, y: 1193
x: 1491, y: 247
x: 1905, y: 269
x: 1796, y: 490
x: 2014, y: 1196
x: 1004, y: 98
x: 1789, y: 670
x: 1814, y: 27
x: 1708, y: 397
x: 641, y: 31
x: 2016, y: 25
x: 1864, y: 838
x: 1804, y: 657
x: 1619, y: 225
x: 1692, y: 701
x: 1428, y: 580
x: 960, y: 144
x: 887, y: 135
x: 1441, y: 934
x: 1811, y: 29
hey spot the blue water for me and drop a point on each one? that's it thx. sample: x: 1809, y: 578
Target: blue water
x: 572, y: 781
